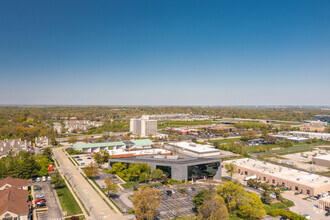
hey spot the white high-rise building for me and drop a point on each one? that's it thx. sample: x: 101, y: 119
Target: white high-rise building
x: 143, y: 126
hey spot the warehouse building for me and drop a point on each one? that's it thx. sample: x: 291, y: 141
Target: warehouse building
x: 178, y: 168
x: 296, y: 180
x: 323, y: 160
x: 324, y: 204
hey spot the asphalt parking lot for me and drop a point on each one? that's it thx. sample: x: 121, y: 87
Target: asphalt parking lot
x: 178, y: 203
x: 83, y: 159
x: 54, y: 208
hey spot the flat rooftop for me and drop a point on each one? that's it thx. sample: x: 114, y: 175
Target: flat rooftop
x: 198, y: 148
x: 164, y: 159
x: 323, y: 157
x: 277, y: 171
x: 141, y: 142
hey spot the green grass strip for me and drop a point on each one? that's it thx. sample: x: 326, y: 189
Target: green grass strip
x: 68, y: 202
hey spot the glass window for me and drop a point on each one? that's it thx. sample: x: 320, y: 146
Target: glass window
x: 273, y: 181
x: 308, y: 192
x: 264, y: 178
x: 166, y: 170
x: 203, y: 170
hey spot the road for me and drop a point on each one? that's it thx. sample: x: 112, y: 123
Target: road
x: 305, y: 207
x: 90, y: 198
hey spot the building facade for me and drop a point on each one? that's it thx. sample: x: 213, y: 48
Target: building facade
x: 323, y: 160
x: 296, y: 180
x: 178, y: 168
x: 143, y: 127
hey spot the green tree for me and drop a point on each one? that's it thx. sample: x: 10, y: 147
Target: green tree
x: 156, y: 174
x: 48, y: 153
x: 232, y: 194
x: 230, y: 169
x: 265, y: 197
x: 91, y: 170
x: 194, y: 140
x: 199, y: 198
x: 72, y: 140
x: 213, y: 208
x: 57, y: 181
x: 248, y: 135
x: 146, y: 202
x: 251, y: 207
x: 110, y: 186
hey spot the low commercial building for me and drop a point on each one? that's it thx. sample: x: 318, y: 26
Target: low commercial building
x: 323, y: 160
x: 178, y: 168
x: 321, y: 136
x: 291, y: 138
x: 107, y: 146
x: 300, y: 181
x: 324, y: 204
x: 312, y: 127
x: 14, y: 204
x: 13, y: 182
x: 196, y: 150
x: 183, y: 131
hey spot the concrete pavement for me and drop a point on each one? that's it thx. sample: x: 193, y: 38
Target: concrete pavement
x: 95, y: 205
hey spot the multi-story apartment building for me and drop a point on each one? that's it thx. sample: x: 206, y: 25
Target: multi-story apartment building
x: 143, y: 126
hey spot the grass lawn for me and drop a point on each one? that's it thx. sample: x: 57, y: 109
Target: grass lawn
x: 279, y: 205
x: 68, y: 203
x: 128, y: 185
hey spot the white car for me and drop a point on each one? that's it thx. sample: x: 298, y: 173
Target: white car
x: 49, y: 178
x: 44, y: 179
x: 39, y: 196
x: 38, y: 179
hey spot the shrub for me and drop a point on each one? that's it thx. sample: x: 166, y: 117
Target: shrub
x: 286, y: 213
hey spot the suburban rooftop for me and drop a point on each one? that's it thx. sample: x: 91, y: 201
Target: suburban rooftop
x: 283, y: 172
x: 199, y: 148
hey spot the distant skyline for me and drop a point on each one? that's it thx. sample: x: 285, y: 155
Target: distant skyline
x: 125, y: 52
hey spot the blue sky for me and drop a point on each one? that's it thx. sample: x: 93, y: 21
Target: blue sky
x: 161, y: 52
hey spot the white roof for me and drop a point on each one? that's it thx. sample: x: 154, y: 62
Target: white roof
x: 199, y: 148
x: 323, y: 157
x: 289, y: 174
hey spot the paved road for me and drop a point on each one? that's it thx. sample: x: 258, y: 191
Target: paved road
x: 93, y: 202
x: 305, y: 207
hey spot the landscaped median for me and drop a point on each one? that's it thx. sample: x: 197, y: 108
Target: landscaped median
x: 68, y: 203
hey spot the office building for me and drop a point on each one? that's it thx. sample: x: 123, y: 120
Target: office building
x: 178, y: 168
x: 303, y: 182
x: 196, y: 150
x: 143, y: 127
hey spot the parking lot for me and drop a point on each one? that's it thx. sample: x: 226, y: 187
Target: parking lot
x: 54, y: 209
x: 83, y: 159
x: 177, y: 204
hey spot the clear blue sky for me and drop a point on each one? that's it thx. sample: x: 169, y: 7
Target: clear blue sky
x: 162, y: 52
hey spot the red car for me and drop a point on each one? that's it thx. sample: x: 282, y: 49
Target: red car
x: 40, y: 200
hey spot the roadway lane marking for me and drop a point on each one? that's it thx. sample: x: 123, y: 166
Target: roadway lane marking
x: 82, y: 184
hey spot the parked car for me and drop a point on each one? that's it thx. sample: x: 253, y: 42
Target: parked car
x: 49, y: 178
x: 38, y: 179
x: 306, y: 216
x: 327, y: 214
x: 37, y: 188
x: 156, y: 186
x: 39, y: 200
x: 79, y: 159
x: 296, y: 193
x: 89, y: 158
x: 39, y: 196
x: 44, y: 179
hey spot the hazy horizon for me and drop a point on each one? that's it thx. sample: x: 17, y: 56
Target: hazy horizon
x: 151, y: 53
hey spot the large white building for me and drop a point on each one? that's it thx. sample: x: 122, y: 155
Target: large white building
x: 196, y: 150
x: 143, y: 126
